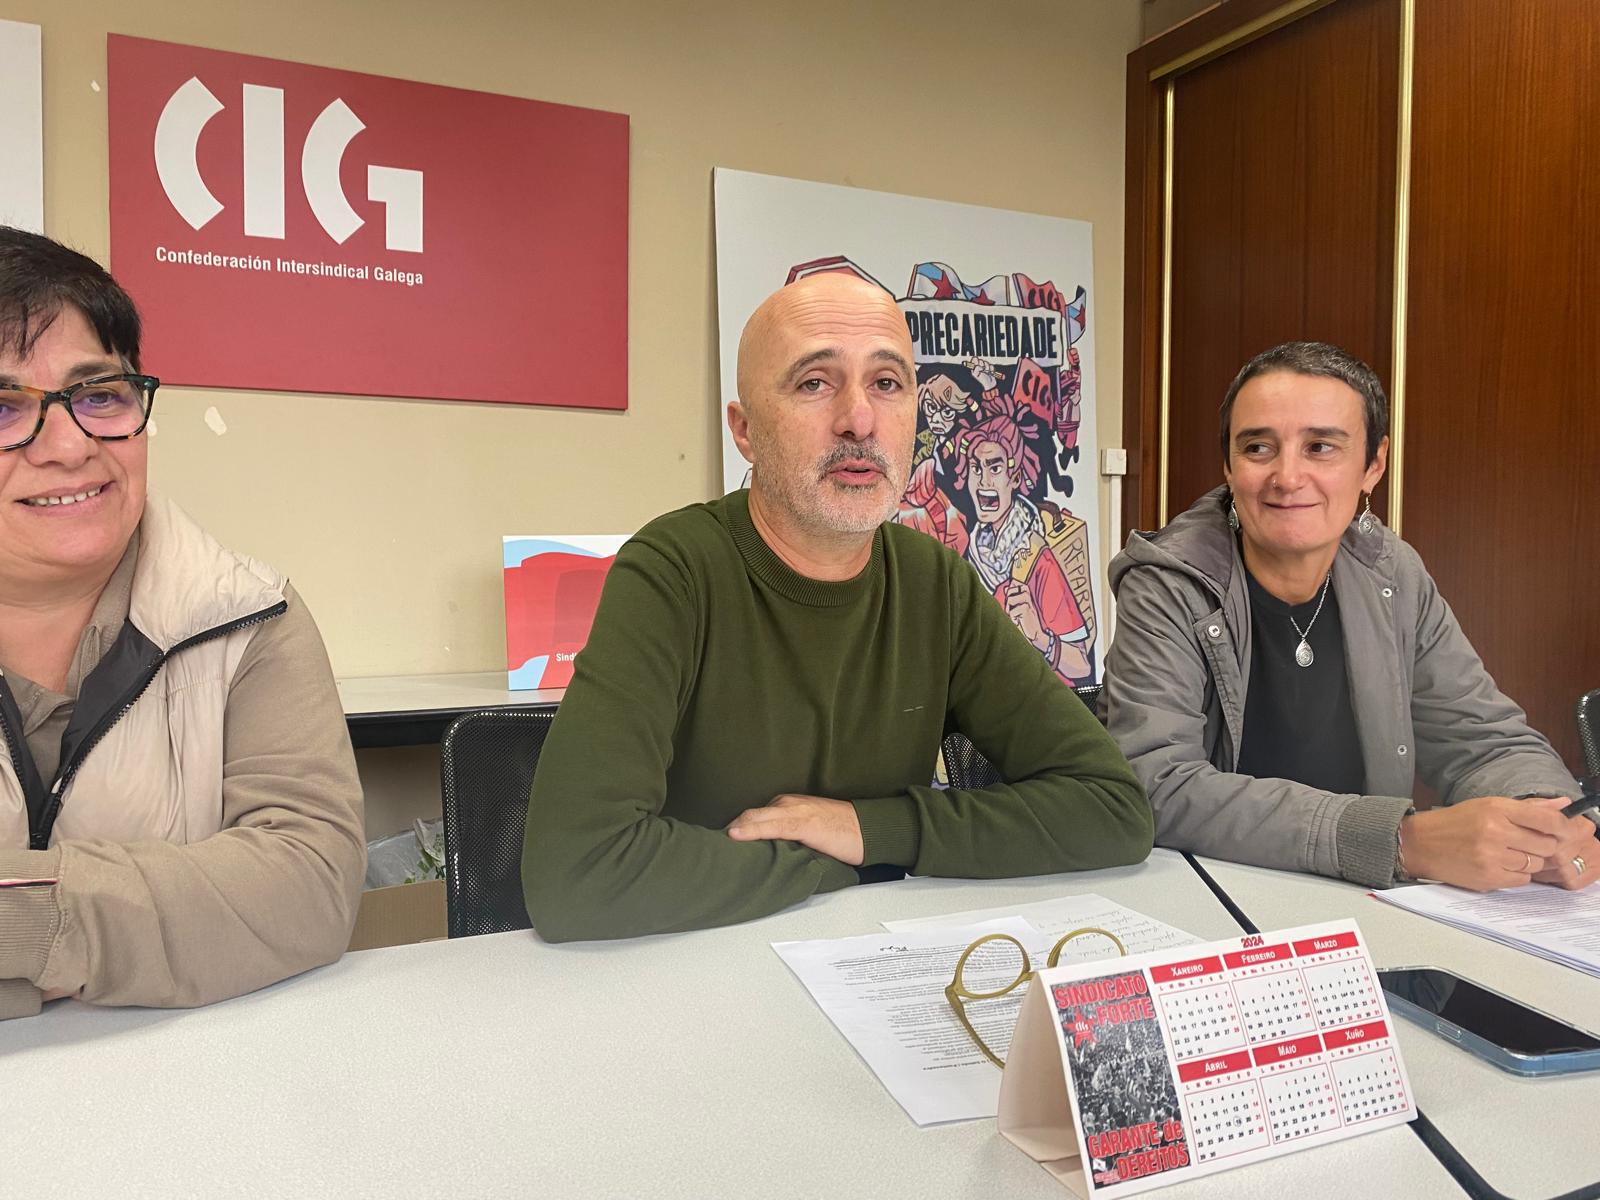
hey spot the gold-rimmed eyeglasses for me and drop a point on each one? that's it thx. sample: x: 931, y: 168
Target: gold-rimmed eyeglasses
x: 997, y: 957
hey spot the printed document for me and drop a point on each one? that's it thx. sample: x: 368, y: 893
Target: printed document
x: 1053, y: 918
x: 885, y: 993
x: 1561, y: 926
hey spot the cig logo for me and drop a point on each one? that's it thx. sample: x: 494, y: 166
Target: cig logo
x: 192, y: 106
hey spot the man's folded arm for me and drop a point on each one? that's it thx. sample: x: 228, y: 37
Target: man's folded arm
x: 1069, y: 802
x: 599, y: 860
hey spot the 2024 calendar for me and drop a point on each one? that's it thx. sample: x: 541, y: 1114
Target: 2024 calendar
x: 1128, y: 1074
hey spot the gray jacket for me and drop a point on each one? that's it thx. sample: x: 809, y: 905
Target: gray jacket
x: 1174, y: 700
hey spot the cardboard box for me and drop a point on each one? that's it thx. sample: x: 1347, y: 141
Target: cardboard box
x: 400, y: 915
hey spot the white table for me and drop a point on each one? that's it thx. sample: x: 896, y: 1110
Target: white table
x: 412, y: 710
x: 1529, y: 1138
x: 692, y: 1065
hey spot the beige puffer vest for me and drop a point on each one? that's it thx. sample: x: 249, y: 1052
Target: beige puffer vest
x: 155, y: 771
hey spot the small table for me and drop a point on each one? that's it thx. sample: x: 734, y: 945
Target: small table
x: 689, y: 1065
x: 415, y: 710
x: 1528, y: 1138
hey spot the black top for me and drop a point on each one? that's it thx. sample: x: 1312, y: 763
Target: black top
x: 1298, y: 722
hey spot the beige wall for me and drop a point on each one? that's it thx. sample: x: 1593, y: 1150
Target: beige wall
x: 386, y: 513
x: 1162, y: 15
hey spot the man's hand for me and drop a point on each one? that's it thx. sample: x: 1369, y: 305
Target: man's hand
x: 1486, y: 843
x: 1024, y: 614
x: 1578, y: 844
x: 827, y: 826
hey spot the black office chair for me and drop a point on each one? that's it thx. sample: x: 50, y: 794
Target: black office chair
x: 964, y: 767
x: 486, y: 766
x: 1089, y: 693
x: 1588, y: 716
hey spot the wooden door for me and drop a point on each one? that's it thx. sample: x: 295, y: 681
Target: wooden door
x: 1282, y: 199
x: 1282, y: 215
x: 1501, y: 449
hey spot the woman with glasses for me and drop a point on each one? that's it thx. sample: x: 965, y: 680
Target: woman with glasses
x: 180, y: 818
x: 1284, y: 667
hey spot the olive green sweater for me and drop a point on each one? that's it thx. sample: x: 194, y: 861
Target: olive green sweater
x: 716, y: 678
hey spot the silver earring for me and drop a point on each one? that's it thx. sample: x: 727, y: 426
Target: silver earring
x: 1368, y: 522
x: 1233, y: 516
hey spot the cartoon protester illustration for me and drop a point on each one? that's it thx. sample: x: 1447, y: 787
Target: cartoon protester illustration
x: 1009, y: 547
x: 945, y: 410
x: 944, y: 406
x: 926, y: 507
x: 1069, y: 412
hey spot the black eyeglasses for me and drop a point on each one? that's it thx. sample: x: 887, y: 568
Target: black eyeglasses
x: 111, y: 408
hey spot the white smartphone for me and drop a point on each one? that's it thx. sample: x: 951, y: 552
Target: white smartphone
x: 1496, y: 1028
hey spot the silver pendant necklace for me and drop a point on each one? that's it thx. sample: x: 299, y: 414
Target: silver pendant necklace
x: 1302, y: 653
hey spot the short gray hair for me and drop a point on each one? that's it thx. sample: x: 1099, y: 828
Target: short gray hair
x: 1316, y: 358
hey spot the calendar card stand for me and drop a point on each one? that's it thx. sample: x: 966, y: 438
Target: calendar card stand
x: 1134, y: 1073
x: 1035, y: 1113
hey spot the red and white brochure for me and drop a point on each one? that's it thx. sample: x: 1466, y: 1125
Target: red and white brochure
x: 1133, y: 1073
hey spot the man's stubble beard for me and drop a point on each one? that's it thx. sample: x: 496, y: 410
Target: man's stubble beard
x: 821, y: 508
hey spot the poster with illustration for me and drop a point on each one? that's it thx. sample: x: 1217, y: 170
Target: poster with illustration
x: 997, y: 307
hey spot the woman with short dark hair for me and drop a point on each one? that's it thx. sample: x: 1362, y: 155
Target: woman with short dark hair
x: 180, y: 818
x: 1284, y: 667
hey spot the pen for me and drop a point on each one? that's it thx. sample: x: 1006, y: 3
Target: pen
x: 1586, y: 803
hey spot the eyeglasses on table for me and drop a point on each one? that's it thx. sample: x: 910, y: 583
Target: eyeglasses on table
x: 999, y: 956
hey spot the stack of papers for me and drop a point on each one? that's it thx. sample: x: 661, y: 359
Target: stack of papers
x: 885, y: 993
x: 1561, y: 926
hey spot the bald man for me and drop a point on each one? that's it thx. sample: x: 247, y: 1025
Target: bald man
x: 757, y: 713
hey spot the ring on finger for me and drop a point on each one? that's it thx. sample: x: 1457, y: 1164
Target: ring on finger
x: 1527, y: 863
x: 1578, y: 864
